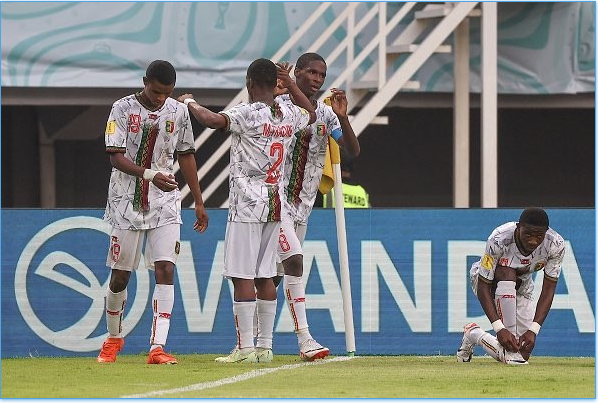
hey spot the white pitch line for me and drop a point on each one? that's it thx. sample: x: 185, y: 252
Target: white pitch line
x: 238, y: 378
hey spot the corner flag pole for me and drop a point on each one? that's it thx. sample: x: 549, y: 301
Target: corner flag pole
x: 341, y: 235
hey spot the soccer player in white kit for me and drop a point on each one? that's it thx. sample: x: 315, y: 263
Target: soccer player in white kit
x: 143, y: 133
x: 502, y: 280
x: 261, y: 131
x: 302, y: 174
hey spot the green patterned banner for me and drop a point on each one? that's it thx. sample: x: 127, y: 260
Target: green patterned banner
x: 543, y: 47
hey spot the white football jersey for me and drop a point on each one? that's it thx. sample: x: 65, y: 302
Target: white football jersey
x: 261, y: 136
x: 305, y: 163
x: 501, y: 250
x: 149, y: 139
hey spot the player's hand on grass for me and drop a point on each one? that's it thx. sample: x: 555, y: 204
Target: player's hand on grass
x: 507, y: 340
x: 165, y: 182
x: 527, y: 342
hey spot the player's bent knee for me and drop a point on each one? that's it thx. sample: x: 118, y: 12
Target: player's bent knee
x: 293, y: 266
x: 504, y: 273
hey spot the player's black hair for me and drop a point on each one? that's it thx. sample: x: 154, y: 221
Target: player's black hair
x: 263, y: 73
x: 161, y: 71
x: 307, y: 58
x: 534, y: 216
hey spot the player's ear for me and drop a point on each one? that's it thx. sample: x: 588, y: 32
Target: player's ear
x: 145, y: 81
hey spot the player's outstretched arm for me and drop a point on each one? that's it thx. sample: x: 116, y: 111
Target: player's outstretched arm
x: 203, y: 115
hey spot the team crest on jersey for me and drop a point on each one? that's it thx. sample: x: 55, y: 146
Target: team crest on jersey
x: 169, y: 126
x: 111, y: 127
x: 487, y: 262
x: 321, y: 129
x: 539, y: 266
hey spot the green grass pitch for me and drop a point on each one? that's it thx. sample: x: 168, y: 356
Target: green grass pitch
x: 198, y: 376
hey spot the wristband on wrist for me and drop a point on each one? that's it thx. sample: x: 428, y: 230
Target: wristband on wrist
x: 187, y: 101
x: 497, y: 325
x: 535, y: 327
x: 149, y: 174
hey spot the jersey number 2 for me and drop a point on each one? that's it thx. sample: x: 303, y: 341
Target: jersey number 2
x: 273, y: 174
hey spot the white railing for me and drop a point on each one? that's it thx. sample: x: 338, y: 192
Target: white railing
x: 384, y: 87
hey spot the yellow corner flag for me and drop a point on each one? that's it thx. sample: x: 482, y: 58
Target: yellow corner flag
x: 333, y: 156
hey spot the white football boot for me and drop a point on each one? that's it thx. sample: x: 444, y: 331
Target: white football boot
x: 514, y: 358
x: 311, y: 350
x: 237, y: 356
x: 264, y: 354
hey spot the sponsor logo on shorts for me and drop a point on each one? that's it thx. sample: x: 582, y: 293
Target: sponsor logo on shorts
x: 177, y: 247
x: 487, y: 262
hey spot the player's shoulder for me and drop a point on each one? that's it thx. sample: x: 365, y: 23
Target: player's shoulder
x: 283, y: 99
x: 503, y: 234
x: 324, y: 110
x: 171, y: 105
x: 243, y: 107
x: 125, y: 101
x: 555, y: 239
x: 290, y: 109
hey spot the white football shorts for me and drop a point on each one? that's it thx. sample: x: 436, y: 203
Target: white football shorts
x: 250, y: 250
x: 161, y: 244
x: 290, y: 241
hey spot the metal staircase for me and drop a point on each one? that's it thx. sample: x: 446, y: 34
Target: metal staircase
x: 372, y: 73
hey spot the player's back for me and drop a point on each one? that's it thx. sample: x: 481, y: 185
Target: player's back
x: 260, y: 137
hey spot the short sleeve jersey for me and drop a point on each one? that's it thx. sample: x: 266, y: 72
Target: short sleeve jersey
x: 501, y: 250
x: 149, y: 139
x: 305, y: 162
x: 260, y: 138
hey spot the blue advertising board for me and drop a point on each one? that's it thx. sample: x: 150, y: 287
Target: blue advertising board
x: 408, y: 273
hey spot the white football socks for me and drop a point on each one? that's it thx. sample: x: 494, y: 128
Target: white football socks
x: 295, y: 298
x: 505, y: 299
x: 244, y: 313
x: 266, y: 312
x: 488, y: 342
x: 162, y: 303
x: 115, y: 311
x: 491, y: 345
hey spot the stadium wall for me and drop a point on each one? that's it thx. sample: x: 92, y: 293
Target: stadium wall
x: 409, y: 284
